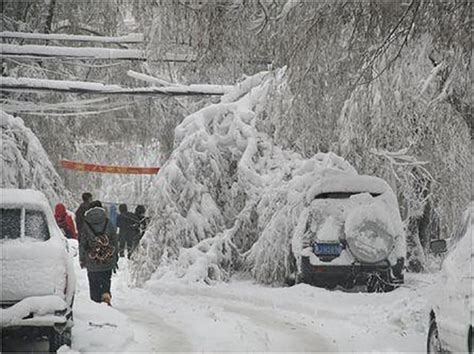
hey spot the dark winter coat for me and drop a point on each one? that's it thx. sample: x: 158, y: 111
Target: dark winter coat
x: 96, y: 224
x: 129, y: 226
x: 80, y: 216
x: 142, y: 224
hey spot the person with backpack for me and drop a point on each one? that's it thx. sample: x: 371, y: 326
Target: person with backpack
x: 127, y: 223
x: 65, y: 221
x: 98, y: 252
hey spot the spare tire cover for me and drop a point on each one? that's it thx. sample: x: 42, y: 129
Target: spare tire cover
x: 368, y: 240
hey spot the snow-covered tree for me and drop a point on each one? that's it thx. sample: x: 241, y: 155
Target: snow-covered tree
x: 25, y: 164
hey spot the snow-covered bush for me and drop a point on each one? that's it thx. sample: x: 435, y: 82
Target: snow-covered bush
x: 228, y: 199
x: 25, y: 164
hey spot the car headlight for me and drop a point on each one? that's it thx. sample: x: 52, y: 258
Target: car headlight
x: 369, y: 241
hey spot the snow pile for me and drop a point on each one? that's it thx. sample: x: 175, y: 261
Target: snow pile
x: 25, y: 164
x: 39, y: 306
x: 229, y: 199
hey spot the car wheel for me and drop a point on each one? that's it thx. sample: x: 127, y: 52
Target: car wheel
x: 300, y: 278
x: 379, y: 283
x: 57, y: 340
x: 374, y: 284
x: 434, y: 343
x: 330, y: 285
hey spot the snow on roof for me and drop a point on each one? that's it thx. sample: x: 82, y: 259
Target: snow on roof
x: 332, y: 181
x: 23, y: 197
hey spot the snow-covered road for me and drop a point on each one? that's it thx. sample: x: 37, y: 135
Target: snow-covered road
x: 176, y: 319
x: 241, y: 316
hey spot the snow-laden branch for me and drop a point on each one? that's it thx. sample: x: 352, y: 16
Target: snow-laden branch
x: 148, y: 78
x: 87, y: 53
x: 223, y: 89
x: 399, y: 157
x: 402, y: 159
x: 28, y: 84
x: 129, y: 38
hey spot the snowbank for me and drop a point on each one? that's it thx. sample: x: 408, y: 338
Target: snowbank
x: 229, y: 199
x: 25, y: 164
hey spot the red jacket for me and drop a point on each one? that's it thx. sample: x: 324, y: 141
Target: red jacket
x: 65, y: 221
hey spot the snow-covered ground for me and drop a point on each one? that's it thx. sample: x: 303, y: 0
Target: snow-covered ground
x: 242, y: 316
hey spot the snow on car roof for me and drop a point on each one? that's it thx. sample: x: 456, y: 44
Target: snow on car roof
x: 332, y: 181
x: 23, y: 197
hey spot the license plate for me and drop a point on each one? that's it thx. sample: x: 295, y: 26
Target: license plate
x: 333, y: 249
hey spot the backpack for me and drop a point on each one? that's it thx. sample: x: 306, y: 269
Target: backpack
x: 100, y: 249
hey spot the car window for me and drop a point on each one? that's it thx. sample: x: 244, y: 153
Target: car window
x: 10, y: 224
x: 36, y: 226
x: 341, y: 195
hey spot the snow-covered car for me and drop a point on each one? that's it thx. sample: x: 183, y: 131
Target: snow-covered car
x: 37, y: 281
x: 353, y: 235
x: 452, y: 309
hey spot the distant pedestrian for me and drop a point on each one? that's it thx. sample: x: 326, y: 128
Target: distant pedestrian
x: 85, y: 205
x: 113, y: 213
x: 98, y: 252
x: 143, y: 221
x: 65, y: 221
x: 127, y: 223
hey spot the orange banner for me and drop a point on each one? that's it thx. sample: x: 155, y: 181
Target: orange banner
x: 90, y: 167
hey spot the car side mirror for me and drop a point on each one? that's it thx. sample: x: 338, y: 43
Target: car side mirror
x: 438, y: 246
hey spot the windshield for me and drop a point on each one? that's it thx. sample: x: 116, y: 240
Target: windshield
x: 35, y: 226
x: 10, y: 224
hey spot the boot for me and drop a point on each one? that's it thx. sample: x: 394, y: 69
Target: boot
x: 107, y: 298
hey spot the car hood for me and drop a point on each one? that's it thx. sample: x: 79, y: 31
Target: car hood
x: 32, y: 269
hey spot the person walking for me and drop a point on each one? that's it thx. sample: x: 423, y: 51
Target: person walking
x: 98, y: 252
x: 127, y: 223
x: 113, y: 213
x: 65, y: 221
x: 85, y: 205
x: 143, y: 222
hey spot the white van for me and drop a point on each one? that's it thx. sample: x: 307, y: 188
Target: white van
x: 38, y: 281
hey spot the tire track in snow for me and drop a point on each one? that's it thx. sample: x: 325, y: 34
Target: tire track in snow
x: 268, y: 328
x: 153, y: 330
x: 302, y: 339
